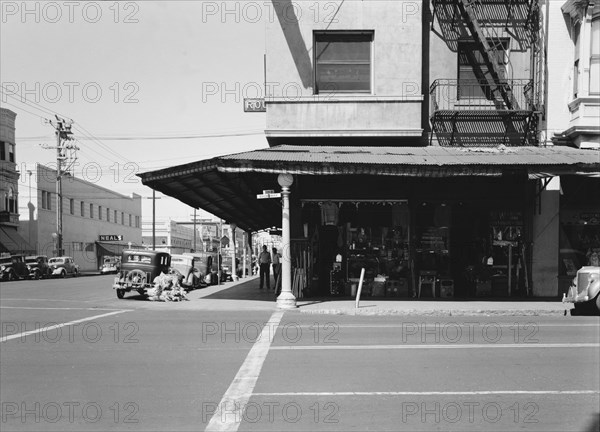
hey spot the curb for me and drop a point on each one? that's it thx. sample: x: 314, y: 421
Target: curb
x: 413, y: 312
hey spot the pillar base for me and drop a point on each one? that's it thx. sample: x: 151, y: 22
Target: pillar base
x: 286, y: 300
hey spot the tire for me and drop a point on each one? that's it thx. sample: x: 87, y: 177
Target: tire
x: 38, y: 275
x: 12, y: 276
x: 75, y: 273
x: 120, y: 293
x: 141, y: 292
x: 598, y: 302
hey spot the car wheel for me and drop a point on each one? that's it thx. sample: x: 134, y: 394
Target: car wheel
x: 63, y: 274
x: 120, y: 293
x: 12, y: 276
x: 75, y: 273
x: 598, y: 302
x: 37, y: 275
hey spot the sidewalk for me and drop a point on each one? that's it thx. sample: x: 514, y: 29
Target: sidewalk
x: 245, y: 294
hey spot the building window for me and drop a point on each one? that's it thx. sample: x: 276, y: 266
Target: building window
x: 82, y: 208
x: 129, y: 220
x: 100, y: 212
x: 11, y: 152
x: 72, y: 206
x: 10, y: 201
x: 343, y: 61
x: 122, y: 218
x: 137, y: 221
x: 115, y: 220
x: 473, y: 72
x: 44, y: 198
x: 576, y: 30
x: 77, y: 246
x: 91, y: 211
x: 107, y: 215
x: 595, y: 57
x: 2, y: 150
x: 49, y: 201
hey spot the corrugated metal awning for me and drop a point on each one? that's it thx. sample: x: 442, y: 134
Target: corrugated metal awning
x: 227, y: 185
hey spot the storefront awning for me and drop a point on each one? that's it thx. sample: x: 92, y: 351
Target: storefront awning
x: 227, y: 186
x: 12, y: 242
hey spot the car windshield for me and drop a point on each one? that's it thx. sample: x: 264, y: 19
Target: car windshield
x: 56, y: 261
x: 5, y: 261
x: 33, y: 260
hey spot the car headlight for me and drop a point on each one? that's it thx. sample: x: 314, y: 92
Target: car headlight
x: 28, y: 268
x: 2, y: 268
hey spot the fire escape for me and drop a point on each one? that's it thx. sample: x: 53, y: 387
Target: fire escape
x: 486, y: 105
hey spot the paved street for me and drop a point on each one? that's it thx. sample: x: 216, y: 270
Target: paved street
x: 75, y: 358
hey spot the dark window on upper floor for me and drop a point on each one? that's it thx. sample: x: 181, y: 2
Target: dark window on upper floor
x: 343, y: 61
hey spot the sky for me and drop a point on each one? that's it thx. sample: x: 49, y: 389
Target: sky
x: 148, y: 84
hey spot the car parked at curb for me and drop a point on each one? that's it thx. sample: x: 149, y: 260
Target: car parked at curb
x: 63, y: 266
x: 584, y: 292
x: 110, y: 264
x: 38, y: 267
x: 13, y: 268
x: 139, y: 268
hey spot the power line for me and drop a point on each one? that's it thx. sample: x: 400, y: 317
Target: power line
x: 167, y: 137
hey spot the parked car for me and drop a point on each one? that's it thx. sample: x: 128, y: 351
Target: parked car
x: 227, y: 269
x: 138, y: 270
x: 63, y: 266
x: 585, y: 289
x: 110, y: 264
x: 38, y: 267
x: 206, y: 263
x: 13, y: 268
x: 187, y: 267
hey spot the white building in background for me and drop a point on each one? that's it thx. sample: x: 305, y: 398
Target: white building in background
x: 96, y: 221
x: 573, y: 73
x: 170, y: 236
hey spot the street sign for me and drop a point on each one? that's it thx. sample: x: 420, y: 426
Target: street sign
x: 254, y: 105
x: 110, y: 237
x: 269, y: 195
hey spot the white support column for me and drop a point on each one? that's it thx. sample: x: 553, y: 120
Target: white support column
x: 286, y: 299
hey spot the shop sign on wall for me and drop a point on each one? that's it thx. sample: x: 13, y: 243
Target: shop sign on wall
x: 110, y: 237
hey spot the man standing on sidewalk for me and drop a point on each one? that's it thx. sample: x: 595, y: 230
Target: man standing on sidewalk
x: 264, y: 260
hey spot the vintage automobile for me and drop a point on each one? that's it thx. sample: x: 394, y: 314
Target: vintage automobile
x: 206, y: 262
x: 13, y: 268
x: 584, y: 292
x: 38, y: 267
x: 63, y: 266
x: 189, y: 270
x: 138, y: 270
x: 110, y: 264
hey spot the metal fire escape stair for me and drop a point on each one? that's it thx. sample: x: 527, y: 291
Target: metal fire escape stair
x: 474, y: 17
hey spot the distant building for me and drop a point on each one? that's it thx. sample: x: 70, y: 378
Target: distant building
x: 10, y: 240
x: 96, y: 221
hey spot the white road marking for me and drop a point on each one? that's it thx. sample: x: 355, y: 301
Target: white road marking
x: 436, y: 393
x: 434, y: 346
x: 228, y: 415
x: 64, y: 308
x: 46, y: 300
x: 52, y: 327
x: 403, y: 325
